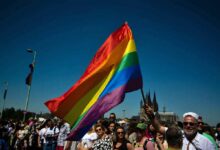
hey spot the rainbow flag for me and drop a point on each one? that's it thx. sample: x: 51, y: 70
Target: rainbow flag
x: 113, y: 71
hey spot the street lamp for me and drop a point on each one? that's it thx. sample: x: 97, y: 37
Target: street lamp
x: 29, y: 80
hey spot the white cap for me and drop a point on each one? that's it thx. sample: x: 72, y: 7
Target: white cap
x: 191, y: 114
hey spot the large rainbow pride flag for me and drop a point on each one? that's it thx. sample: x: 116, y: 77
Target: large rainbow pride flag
x: 113, y: 71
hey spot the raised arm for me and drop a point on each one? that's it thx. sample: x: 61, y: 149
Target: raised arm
x: 155, y: 122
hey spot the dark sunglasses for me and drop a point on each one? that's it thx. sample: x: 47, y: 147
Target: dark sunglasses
x: 99, y: 129
x: 188, y: 123
x: 120, y: 132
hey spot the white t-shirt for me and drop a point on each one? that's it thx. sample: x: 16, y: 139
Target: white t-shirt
x: 51, y: 131
x: 41, y: 134
x: 199, y: 143
x: 44, y: 132
x: 87, y: 139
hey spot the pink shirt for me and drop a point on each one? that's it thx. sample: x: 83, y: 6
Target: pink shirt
x: 149, y: 145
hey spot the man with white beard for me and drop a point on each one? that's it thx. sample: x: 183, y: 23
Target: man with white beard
x: 192, y: 140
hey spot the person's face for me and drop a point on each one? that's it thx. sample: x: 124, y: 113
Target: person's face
x: 112, y: 117
x: 111, y: 127
x: 99, y: 131
x: 120, y: 133
x: 61, y: 122
x: 160, y: 136
x: 140, y: 134
x: 152, y: 127
x: 50, y: 123
x: 200, y: 124
x: 189, y: 126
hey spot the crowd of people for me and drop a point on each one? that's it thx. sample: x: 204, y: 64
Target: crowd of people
x: 112, y: 134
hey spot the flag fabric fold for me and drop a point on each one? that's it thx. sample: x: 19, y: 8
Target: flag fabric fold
x: 113, y: 71
x: 5, y: 93
x: 28, y: 79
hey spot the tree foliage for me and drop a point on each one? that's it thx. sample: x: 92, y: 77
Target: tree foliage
x: 11, y: 113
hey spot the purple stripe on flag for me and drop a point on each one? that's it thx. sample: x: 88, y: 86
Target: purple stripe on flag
x: 102, y: 106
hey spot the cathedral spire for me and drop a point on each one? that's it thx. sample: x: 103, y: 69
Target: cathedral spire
x: 148, y: 98
x: 155, y: 104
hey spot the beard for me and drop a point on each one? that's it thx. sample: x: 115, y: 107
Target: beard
x: 190, y: 133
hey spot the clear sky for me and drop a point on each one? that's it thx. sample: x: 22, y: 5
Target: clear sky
x: 177, y: 42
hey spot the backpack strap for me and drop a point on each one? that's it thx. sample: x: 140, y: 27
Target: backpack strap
x: 145, y: 144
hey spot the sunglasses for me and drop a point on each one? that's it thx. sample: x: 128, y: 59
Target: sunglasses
x: 188, y: 123
x: 98, y: 129
x: 120, y: 132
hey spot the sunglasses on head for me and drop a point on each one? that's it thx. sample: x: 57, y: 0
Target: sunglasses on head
x: 188, y: 123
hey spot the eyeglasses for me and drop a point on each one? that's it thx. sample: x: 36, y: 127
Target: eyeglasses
x: 188, y: 123
x: 120, y: 132
x: 98, y: 129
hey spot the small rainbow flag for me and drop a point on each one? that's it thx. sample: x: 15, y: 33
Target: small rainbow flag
x: 113, y: 71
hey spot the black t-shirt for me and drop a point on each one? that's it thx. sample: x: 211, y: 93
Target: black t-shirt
x: 123, y: 146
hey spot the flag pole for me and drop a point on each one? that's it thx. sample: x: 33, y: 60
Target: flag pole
x: 29, y: 85
x: 142, y: 93
x: 4, y: 98
x: 27, y: 101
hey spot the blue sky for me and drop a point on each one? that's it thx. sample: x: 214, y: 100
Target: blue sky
x: 177, y: 43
